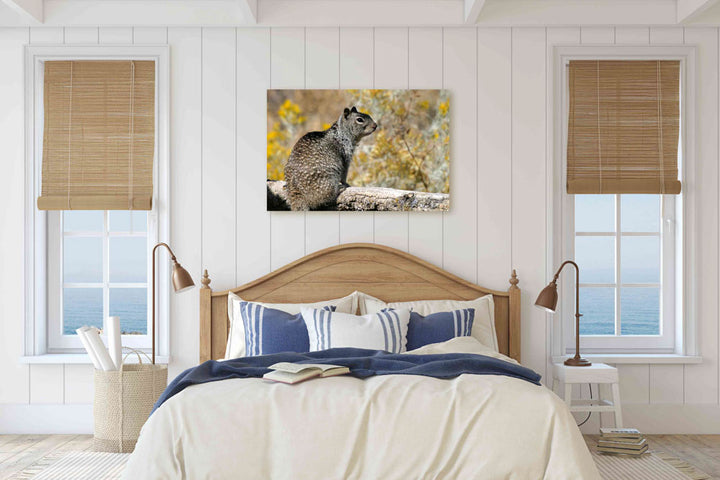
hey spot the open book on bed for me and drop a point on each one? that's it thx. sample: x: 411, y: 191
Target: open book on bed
x: 287, y: 372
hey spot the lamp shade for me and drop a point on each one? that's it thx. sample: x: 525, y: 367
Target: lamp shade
x: 181, y: 279
x: 548, y: 297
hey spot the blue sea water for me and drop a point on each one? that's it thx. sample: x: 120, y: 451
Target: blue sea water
x: 84, y: 306
x: 640, y: 309
x: 639, y: 306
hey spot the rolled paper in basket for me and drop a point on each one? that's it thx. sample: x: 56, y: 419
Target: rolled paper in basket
x: 98, y: 347
x: 114, y: 341
x: 81, y: 333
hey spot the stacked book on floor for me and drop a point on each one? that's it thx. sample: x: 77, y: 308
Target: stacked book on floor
x: 622, y: 441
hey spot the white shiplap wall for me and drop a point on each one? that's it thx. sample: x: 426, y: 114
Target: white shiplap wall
x: 501, y: 118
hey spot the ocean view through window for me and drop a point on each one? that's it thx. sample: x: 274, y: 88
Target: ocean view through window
x: 104, y: 269
x: 618, y: 246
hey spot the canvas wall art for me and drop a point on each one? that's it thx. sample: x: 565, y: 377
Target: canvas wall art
x: 358, y: 150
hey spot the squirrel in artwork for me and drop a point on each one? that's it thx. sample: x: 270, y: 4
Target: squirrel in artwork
x: 316, y: 172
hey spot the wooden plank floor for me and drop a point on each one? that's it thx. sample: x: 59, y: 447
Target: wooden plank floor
x: 701, y: 451
x: 17, y: 452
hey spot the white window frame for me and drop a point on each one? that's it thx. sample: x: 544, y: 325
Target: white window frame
x: 665, y: 341
x: 38, y: 223
x: 57, y: 341
x: 679, y: 324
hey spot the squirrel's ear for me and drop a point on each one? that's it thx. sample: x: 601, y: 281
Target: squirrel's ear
x: 346, y: 113
x: 354, y: 109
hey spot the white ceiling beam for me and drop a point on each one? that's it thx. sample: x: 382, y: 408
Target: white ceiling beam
x: 472, y: 10
x: 543, y: 13
x: 335, y: 13
x: 689, y: 10
x: 140, y: 13
x: 29, y: 9
x: 249, y: 10
x: 361, y: 13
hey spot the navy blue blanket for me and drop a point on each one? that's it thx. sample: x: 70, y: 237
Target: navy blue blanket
x: 363, y: 363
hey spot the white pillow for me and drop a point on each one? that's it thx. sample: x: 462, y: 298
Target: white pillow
x: 483, y: 326
x: 460, y: 345
x: 378, y: 331
x: 236, y: 337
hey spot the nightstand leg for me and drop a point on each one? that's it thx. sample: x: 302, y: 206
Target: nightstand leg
x: 618, y: 406
x: 600, y: 397
x: 556, y: 383
x: 568, y: 393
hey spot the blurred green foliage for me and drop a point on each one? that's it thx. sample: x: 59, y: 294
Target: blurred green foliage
x: 410, y: 150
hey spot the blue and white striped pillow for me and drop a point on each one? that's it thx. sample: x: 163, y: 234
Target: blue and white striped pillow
x: 439, y: 327
x: 378, y: 331
x: 273, y: 331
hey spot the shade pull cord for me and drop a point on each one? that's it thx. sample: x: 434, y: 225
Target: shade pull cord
x: 660, y: 130
x: 132, y: 133
x: 600, y: 171
x: 70, y: 137
x: 571, y: 120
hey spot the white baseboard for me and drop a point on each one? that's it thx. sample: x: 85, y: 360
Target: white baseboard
x: 39, y: 419
x: 662, y: 419
x: 651, y: 419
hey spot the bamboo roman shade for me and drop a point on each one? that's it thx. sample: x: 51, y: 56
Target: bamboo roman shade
x: 99, y: 135
x: 623, y: 127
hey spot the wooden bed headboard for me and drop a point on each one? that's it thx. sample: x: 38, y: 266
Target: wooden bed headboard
x: 383, y: 272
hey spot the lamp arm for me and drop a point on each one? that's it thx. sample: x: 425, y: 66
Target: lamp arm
x: 577, y: 359
x: 172, y: 256
x: 163, y: 244
x: 577, y: 284
x: 577, y: 270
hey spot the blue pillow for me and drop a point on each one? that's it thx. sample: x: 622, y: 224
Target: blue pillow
x: 273, y: 331
x: 439, y: 327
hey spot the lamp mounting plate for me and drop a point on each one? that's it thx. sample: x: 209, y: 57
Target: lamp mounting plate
x: 577, y: 362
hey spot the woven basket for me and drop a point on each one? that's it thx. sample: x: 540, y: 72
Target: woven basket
x: 123, y: 401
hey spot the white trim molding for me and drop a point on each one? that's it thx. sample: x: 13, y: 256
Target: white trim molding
x: 666, y: 419
x: 651, y: 419
x: 637, y: 359
x: 47, y: 419
x: 79, y: 359
x: 356, y: 13
x: 36, y: 221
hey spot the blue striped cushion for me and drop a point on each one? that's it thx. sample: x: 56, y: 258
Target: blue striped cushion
x: 379, y: 331
x: 273, y: 331
x: 439, y: 327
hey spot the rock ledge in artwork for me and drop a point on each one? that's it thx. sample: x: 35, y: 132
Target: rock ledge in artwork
x: 367, y: 199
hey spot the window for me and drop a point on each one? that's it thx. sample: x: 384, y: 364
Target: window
x: 625, y: 247
x: 631, y: 247
x: 98, y: 267
x: 84, y: 265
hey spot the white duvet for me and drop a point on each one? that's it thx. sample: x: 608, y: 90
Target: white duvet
x: 385, y: 427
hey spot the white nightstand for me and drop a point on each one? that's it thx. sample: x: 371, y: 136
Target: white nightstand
x: 597, y: 373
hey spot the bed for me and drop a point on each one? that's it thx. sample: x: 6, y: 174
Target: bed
x: 390, y: 426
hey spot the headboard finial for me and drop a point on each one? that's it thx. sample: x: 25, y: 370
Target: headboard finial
x: 514, y: 280
x: 205, y: 279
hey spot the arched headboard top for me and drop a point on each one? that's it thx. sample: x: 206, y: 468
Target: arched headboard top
x: 380, y: 271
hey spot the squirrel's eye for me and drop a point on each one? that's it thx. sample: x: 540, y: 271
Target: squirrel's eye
x: 360, y: 120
